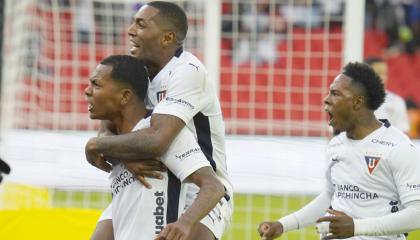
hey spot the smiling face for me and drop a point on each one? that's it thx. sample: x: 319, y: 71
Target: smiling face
x: 341, y: 103
x: 103, y: 94
x: 145, y: 35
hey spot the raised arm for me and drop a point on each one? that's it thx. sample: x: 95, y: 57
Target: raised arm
x: 211, y: 191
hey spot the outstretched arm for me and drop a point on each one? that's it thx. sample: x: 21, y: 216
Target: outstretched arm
x: 302, y: 218
x: 211, y: 191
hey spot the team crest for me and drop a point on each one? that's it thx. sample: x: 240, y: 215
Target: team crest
x: 160, y: 95
x: 372, y: 162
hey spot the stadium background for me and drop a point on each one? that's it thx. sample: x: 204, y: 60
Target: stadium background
x: 271, y: 60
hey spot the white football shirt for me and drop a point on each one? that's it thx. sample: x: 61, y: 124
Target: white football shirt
x: 141, y: 213
x: 375, y: 176
x: 182, y: 89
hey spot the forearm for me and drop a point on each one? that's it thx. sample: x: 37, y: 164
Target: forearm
x: 307, y: 215
x: 131, y: 146
x: 211, y: 191
x: 403, y: 221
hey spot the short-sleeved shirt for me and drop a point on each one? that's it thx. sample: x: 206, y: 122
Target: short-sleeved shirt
x: 375, y: 176
x: 182, y: 89
x: 141, y: 213
x: 394, y: 110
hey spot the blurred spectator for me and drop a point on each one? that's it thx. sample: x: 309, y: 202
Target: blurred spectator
x: 394, y: 108
x: 4, y: 168
x: 84, y: 20
x: 259, y: 24
x: 414, y: 117
x: 303, y: 14
x: 399, y: 19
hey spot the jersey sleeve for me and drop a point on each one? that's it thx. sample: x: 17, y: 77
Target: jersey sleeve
x: 184, y: 155
x: 184, y: 93
x: 405, y: 167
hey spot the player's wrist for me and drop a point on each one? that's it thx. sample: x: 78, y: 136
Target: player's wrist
x: 289, y: 223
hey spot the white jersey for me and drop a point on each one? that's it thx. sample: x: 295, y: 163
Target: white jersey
x: 182, y: 89
x: 141, y: 213
x: 394, y: 110
x: 373, y: 177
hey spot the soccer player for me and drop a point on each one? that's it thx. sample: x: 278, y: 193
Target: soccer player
x: 116, y: 93
x: 182, y: 96
x: 372, y: 178
x: 394, y: 108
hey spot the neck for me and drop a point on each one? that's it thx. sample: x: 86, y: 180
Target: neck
x: 363, y: 126
x: 130, y: 116
x: 162, y: 60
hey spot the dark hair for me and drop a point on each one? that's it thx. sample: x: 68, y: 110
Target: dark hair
x: 173, y: 16
x: 371, y: 83
x: 129, y: 70
x: 373, y: 59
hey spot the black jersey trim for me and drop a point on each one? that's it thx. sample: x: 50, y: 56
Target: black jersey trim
x: 179, y: 52
x: 386, y: 123
x: 174, y: 189
x: 202, y: 128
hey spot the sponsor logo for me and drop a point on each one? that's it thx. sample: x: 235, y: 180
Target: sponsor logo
x: 180, y: 101
x: 193, y: 65
x: 160, y: 95
x: 371, y: 163
x: 349, y: 191
x: 394, y: 206
x: 159, y: 212
x: 187, y: 153
x: 390, y: 144
x: 124, y: 179
x: 413, y: 186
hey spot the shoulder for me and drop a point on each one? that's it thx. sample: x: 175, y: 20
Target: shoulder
x: 143, y: 123
x: 337, y: 141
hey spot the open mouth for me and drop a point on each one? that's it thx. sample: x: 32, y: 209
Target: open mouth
x: 134, y: 47
x: 90, y: 107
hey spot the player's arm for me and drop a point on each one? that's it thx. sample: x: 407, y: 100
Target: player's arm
x: 302, y: 218
x: 211, y: 191
x: 141, y: 145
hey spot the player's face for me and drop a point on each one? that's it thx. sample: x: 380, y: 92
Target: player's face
x: 339, y: 104
x: 103, y: 94
x: 145, y: 35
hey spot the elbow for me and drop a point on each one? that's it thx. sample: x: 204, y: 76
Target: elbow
x: 218, y: 189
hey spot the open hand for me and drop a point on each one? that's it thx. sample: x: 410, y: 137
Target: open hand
x: 145, y: 168
x: 175, y: 231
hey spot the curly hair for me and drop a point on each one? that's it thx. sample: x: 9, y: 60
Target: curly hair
x: 129, y: 70
x: 365, y: 76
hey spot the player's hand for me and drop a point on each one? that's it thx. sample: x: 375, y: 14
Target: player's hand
x: 4, y: 168
x: 94, y: 157
x: 341, y: 225
x: 270, y: 230
x: 145, y: 168
x: 178, y: 230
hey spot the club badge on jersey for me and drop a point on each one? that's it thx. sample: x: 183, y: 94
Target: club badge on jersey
x: 372, y: 162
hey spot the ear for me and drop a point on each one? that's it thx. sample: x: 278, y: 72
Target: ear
x: 358, y: 102
x: 126, y: 95
x: 168, y: 38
